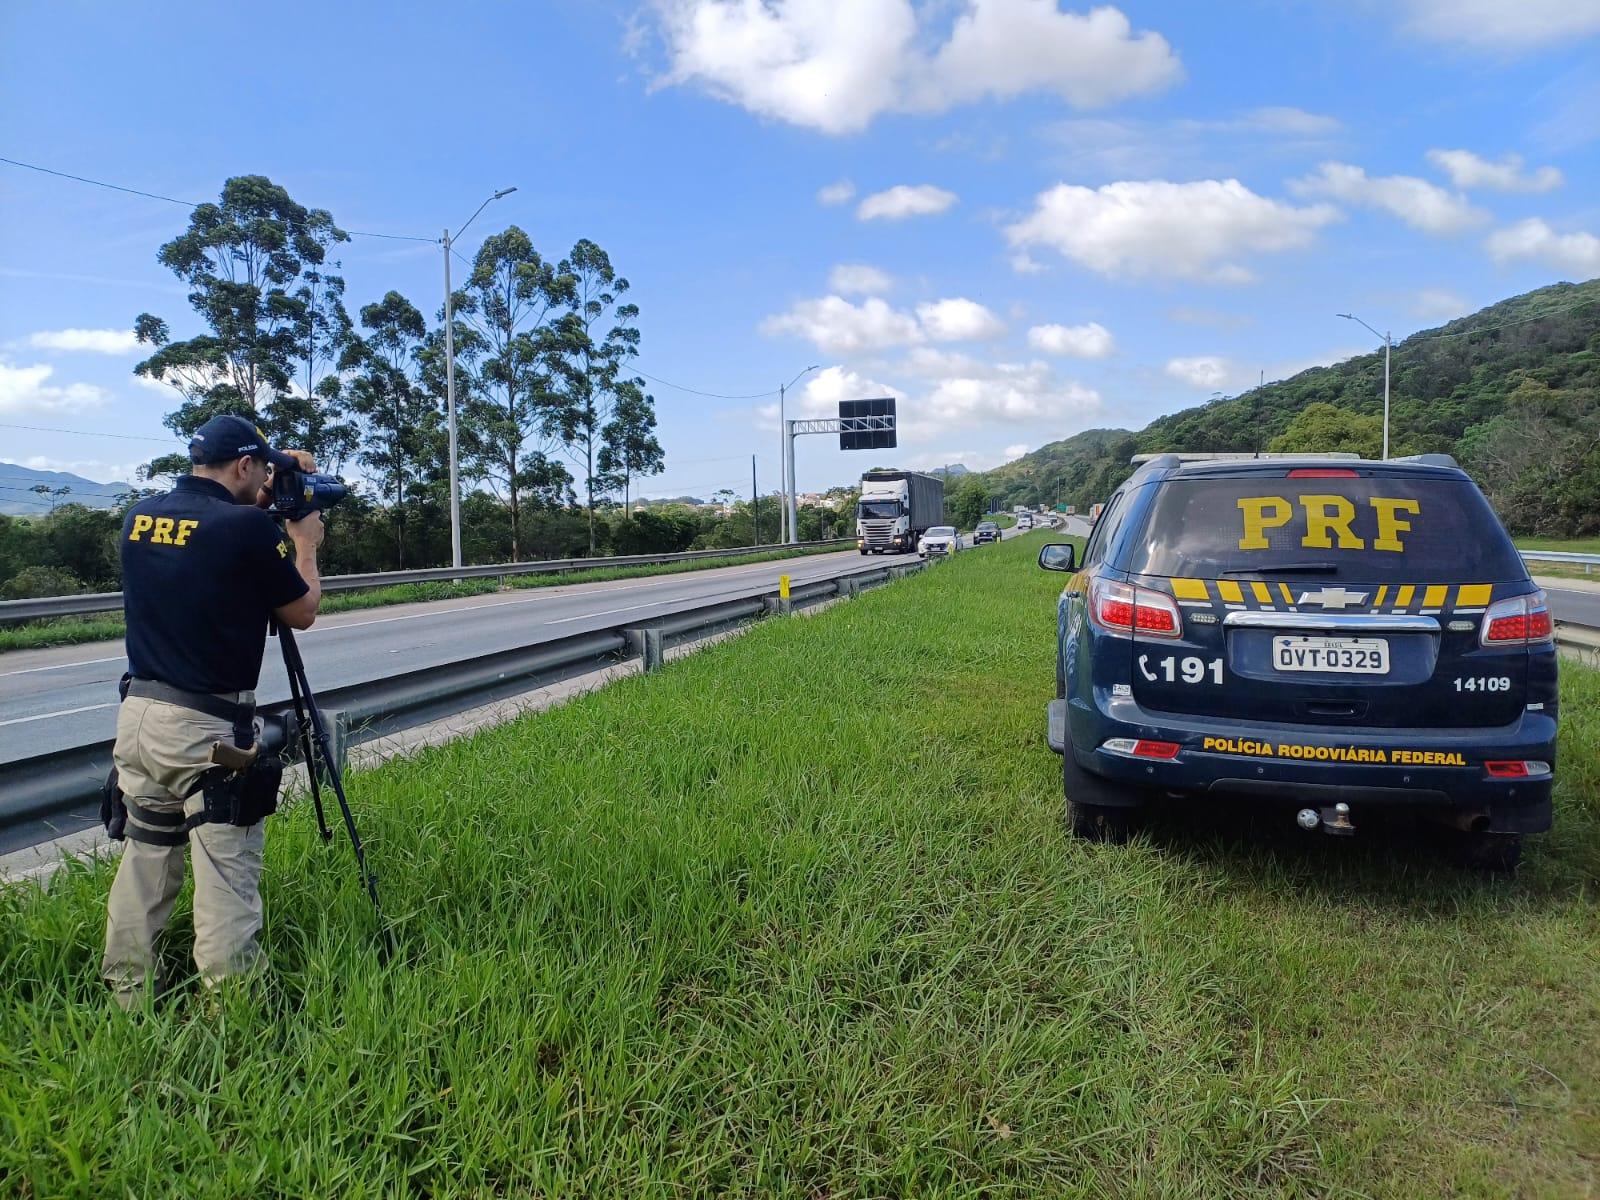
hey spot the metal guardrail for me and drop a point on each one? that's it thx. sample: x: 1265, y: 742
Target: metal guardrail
x: 13, y: 612
x: 1587, y: 561
x: 68, y: 781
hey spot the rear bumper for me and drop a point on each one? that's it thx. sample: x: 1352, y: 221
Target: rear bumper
x: 1426, y: 768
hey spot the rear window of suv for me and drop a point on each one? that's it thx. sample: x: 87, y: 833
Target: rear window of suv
x: 1362, y: 528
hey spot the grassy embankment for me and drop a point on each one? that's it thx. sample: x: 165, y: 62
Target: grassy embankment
x: 797, y: 917
x: 1563, y: 546
x: 71, y: 631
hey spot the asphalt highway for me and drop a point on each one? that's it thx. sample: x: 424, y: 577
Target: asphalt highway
x: 51, y: 699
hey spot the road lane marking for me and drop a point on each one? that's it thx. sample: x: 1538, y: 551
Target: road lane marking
x: 88, y: 662
x: 65, y: 712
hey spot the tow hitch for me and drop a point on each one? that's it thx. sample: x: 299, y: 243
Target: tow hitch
x: 1334, y: 820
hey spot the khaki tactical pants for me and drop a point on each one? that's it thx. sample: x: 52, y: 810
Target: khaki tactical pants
x: 161, y: 750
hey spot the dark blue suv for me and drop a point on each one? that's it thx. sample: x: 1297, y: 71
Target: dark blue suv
x: 1334, y: 635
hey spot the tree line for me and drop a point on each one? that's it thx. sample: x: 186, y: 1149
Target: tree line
x: 548, y: 415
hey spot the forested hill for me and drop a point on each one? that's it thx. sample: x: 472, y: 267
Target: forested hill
x: 1513, y: 391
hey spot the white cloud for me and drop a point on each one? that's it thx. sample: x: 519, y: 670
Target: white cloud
x: 1003, y: 48
x: 1014, y: 452
x: 839, y: 327
x: 836, y: 326
x: 91, y: 341
x: 835, y: 66
x: 1504, y: 25
x: 1008, y: 393
x: 1206, y: 371
x: 859, y: 279
x: 904, y: 200
x: 837, y: 193
x: 959, y: 320
x: 29, y: 390
x: 1024, y: 263
x: 1272, y: 119
x: 1420, y: 204
x: 1155, y: 228
x: 1434, y: 303
x: 1093, y: 340
x: 1468, y: 170
x: 1574, y: 254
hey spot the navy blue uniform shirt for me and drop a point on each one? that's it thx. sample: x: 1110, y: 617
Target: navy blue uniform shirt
x: 201, y: 575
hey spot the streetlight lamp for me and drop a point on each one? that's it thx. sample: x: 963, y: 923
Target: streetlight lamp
x: 786, y: 507
x: 1388, y: 344
x: 448, y: 241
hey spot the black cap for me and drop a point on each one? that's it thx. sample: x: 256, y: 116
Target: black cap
x: 225, y: 438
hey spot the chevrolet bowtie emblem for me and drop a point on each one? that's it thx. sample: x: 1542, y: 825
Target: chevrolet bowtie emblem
x: 1334, y: 597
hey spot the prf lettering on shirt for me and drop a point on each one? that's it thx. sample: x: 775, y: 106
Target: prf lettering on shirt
x: 163, y: 531
x: 1329, y: 521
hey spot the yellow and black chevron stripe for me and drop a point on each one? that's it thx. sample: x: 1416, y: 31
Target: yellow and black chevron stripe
x: 1282, y: 596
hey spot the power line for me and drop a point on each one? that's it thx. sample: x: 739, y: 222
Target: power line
x: 117, y: 187
x: 697, y: 392
x: 126, y: 437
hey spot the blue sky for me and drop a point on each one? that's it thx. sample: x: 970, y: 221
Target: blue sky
x: 1022, y: 218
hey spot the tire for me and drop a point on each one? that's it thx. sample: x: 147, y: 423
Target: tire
x: 1494, y: 853
x: 1097, y: 809
x: 1100, y: 823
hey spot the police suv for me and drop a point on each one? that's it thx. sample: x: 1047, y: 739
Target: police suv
x: 1338, y: 634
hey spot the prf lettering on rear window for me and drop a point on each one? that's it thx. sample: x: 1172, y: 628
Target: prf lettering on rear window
x: 1330, y: 521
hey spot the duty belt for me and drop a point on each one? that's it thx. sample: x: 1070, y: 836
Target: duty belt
x: 239, y: 716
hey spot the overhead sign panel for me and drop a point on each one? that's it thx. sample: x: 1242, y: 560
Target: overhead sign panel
x: 867, y: 424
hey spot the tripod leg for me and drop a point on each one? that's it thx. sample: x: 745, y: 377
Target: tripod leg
x: 303, y: 726
x: 319, y: 733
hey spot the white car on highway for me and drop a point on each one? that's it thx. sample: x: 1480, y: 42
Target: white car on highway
x: 941, y: 539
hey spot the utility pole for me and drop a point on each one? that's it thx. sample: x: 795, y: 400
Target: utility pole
x: 787, y: 508
x: 448, y: 242
x: 1388, y: 345
x: 755, y: 508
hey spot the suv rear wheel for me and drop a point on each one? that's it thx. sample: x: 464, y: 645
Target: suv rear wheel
x: 1497, y: 853
x: 1089, y: 815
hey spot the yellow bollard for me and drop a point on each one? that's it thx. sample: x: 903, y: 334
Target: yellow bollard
x: 783, y: 587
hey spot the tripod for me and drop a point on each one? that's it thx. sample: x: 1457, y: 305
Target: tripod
x: 321, y: 765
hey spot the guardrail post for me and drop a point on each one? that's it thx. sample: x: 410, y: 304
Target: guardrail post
x: 338, y: 726
x: 653, y: 650
x: 847, y: 587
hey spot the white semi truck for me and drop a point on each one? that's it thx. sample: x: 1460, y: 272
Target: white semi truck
x: 896, y: 509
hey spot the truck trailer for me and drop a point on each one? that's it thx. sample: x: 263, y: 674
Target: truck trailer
x: 896, y: 509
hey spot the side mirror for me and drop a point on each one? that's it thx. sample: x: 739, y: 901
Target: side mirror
x: 1059, y: 556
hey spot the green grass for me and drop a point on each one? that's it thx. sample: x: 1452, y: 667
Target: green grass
x: 72, y: 631
x: 797, y: 917
x: 1561, y: 545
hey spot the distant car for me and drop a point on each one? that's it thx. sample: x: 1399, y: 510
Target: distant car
x: 987, y: 531
x: 1024, y: 523
x: 941, y: 540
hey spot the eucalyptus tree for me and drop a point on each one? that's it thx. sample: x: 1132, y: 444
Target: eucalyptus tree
x: 505, y: 398
x: 402, y: 427
x: 629, y: 449
x: 592, y: 341
x: 271, y: 303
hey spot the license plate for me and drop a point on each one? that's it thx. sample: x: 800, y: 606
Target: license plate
x: 1338, y: 656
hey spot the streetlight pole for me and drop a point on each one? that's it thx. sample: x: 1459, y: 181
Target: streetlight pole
x: 1388, y: 345
x: 448, y: 242
x: 787, y: 507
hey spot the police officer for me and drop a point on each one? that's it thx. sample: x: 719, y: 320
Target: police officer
x: 203, y: 571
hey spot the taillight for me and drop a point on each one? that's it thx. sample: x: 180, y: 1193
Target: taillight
x: 1142, y: 748
x: 1517, y: 621
x: 1516, y: 768
x: 1124, y: 609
